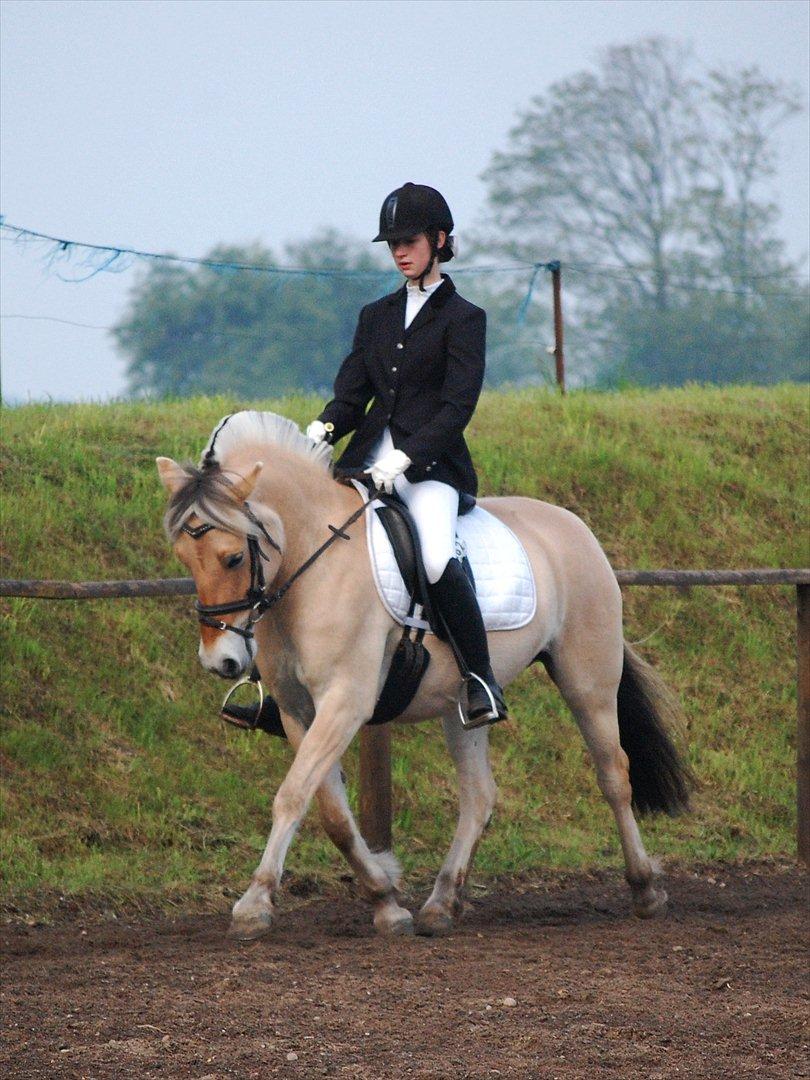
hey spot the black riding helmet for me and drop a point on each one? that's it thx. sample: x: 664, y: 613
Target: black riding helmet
x: 412, y: 209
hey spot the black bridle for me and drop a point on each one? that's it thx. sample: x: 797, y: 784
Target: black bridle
x: 255, y: 596
x: 256, y: 601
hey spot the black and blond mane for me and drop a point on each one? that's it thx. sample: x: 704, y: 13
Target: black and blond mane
x: 208, y: 491
x: 265, y: 429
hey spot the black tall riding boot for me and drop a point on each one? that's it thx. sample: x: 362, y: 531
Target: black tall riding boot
x: 456, y: 601
x: 250, y: 717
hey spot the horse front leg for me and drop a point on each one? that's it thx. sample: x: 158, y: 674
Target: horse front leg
x: 378, y: 874
x: 477, y: 796
x: 336, y: 722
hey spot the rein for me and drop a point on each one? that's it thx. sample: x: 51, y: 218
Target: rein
x: 256, y: 600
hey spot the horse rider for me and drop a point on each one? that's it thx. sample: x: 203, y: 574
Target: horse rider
x: 419, y: 354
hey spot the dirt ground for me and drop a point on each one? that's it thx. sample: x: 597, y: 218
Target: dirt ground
x: 547, y: 977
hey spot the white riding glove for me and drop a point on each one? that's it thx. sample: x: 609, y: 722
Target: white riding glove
x: 385, y: 471
x: 317, y: 431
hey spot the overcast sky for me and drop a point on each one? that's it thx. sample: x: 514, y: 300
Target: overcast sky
x: 171, y: 125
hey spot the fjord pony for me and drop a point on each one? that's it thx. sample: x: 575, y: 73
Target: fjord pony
x: 324, y: 650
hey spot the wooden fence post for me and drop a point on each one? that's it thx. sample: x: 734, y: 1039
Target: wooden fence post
x: 803, y: 721
x: 559, y: 356
x: 375, y: 786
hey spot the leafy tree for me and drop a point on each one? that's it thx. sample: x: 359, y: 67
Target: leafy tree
x: 647, y: 178
x: 711, y: 337
x: 203, y: 330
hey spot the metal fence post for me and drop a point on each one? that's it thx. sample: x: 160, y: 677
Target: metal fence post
x: 803, y: 722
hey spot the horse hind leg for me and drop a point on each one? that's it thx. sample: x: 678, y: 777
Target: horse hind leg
x: 613, y: 777
x: 477, y: 795
x: 378, y: 873
x: 593, y: 701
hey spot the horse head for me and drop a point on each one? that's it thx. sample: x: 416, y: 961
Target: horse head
x: 233, y: 549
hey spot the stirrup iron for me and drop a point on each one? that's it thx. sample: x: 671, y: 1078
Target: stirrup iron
x: 232, y: 719
x: 486, y: 718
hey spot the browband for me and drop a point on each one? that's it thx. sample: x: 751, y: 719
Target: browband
x: 195, y: 531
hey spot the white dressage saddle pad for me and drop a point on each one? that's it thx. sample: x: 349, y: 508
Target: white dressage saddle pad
x: 504, y: 582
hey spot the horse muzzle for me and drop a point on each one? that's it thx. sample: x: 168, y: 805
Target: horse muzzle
x: 227, y: 657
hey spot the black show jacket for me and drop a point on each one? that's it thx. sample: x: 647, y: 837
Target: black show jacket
x: 425, y: 382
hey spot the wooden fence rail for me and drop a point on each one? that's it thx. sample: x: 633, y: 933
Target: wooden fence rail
x: 99, y: 590
x: 375, y: 742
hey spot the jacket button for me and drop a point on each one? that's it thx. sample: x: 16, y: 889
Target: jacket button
x: 428, y: 468
x: 393, y: 369
x: 391, y: 391
x: 400, y: 345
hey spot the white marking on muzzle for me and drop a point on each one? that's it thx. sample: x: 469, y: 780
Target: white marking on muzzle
x: 227, y: 646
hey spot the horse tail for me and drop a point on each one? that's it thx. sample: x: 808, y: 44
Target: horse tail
x: 648, y: 715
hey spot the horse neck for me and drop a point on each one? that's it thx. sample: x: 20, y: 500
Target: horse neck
x: 304, y: 496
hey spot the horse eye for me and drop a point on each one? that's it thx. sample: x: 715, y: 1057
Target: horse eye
x: 233, y: 560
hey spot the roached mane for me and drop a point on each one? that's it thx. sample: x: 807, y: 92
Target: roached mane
x: 208, y: 490
x: 235, y: 431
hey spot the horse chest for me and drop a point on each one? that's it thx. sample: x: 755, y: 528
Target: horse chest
x: 288, y: 688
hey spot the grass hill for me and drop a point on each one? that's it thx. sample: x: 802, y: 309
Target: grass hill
x: 120, y: 783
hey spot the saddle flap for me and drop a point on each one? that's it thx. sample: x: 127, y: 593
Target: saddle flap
x: 401, y: 530
x: 402, y: 543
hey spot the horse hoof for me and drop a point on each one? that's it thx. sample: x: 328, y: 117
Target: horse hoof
x: 250, y: 929
x: 651, y: 905
x: 401, y: 926
x: 433, y: 923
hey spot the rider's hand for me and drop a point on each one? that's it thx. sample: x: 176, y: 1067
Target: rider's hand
x: 317, y: 431
x: 385, y: 471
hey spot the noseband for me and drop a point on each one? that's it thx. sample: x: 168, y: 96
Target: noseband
x: 256, y: 600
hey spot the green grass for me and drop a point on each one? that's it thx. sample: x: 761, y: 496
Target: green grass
x: 120, y: 785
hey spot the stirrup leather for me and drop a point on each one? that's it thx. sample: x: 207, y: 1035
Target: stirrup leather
x: 486, y: 718
x: 232, y: 719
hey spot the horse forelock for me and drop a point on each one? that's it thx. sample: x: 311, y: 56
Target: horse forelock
x: 208, y: 495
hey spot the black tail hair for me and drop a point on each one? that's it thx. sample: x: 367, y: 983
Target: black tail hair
x: 661, y: 780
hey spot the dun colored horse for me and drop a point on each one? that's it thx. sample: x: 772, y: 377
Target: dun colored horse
x: 254, y: 512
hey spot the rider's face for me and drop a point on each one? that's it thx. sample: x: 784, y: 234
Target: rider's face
x: 412, y: 254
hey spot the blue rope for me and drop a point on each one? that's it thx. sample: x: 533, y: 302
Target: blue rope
x: 527, y: 299
x: 64, y: 248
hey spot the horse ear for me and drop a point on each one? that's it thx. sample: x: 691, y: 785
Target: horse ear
x: 243, y: 485
x: 172, y: 475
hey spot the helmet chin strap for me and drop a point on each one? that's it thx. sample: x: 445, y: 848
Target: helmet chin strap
x: 434, y: 254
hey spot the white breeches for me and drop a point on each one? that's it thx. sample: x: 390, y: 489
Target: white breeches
x: 434, y: 507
